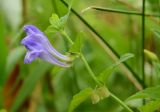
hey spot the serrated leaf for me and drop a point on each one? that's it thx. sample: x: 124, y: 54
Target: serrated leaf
x: 151, y: 93
x: 79, y: 98
x: 57, y: 24
x: 152, y: 106
x: 29, y: 83
x: 76, y: 47
x: 124, y: 58
x: 14, y: 56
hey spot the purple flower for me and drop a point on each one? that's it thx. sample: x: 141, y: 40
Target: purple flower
x: 38, y: 46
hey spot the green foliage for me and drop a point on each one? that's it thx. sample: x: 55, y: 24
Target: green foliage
x: 152, y: 56
x: 111, y: 35
x: 151, y: 93
x: 76, y: 47
x: 36, y: 74
x: 99, y: 94
x: 14, y: 56
x: 152, y: 106
x: 79, y: 98
x: 57, y: 24
x: 124, y: 58
x: 103, y: 76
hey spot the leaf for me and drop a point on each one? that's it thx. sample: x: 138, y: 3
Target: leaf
x: 63, y: 20
x: 151, y: 93
x: 103, y: 76
x: 79, y: 98
x: 54, y: 19
x: 29, y: 83
x: 152, y: 106
x: 76, y: 47
x: 124, y: 58
x: 51, y: 30
x: 14, y: 56
x: 150, y: 55
x: 57, y: 23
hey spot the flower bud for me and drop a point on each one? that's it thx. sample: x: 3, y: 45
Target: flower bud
x: 95, y: 97
x: 152, y: 56
x: 103, y: 92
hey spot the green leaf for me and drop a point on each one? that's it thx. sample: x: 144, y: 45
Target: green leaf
x: 152, y: 106
x: 79, y: 98
x: 51, y: 30
x: 103, y: 76
x: 54, y: 19
x: 29, y: 83
x: 63, y: 20
x: 14, y: 56
x: 151, y: 93
x: 76, y: 47
x: 124, y: 58
x: 57, y: 24
x: 150, y: 55
x: 99, y: 94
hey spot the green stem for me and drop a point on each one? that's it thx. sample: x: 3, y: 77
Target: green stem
x: 67, y: 37
x: 90, y: 70
x: 118, y: 11
x: 121, y: 102
x: 143, y: 40
x: 143, y: 45
x: 83, y: 59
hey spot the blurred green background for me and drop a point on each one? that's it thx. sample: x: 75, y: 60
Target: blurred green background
x: 42, y: 87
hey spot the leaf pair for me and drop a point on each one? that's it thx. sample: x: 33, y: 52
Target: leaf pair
x: 57, y: 24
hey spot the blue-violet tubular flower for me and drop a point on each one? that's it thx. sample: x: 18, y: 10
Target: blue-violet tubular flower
x: 38, y: 46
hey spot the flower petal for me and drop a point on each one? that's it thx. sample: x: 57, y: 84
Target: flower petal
x: 31, y: 55
x: 31, y: 44
x: 43, y: 40
x: 30, y: 29
x: 49, y: 58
